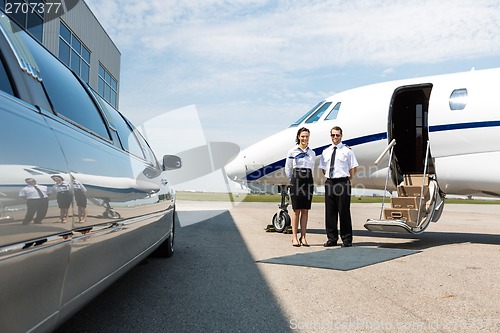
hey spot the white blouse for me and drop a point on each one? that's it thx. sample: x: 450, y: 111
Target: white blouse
x: 298, y: 158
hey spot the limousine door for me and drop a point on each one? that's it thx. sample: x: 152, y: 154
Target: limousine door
x: 34, y: 251
x: 119, y: 189
x: 120, y: 207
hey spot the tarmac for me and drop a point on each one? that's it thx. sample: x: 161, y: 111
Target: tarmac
x: 229, y: 275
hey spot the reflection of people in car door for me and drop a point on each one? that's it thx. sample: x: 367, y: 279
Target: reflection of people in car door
x: 81, y: 199
x: 64, y: 197
x: 36, y: 199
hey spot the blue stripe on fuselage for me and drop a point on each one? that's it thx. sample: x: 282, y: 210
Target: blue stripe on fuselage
x: 281, y: 163
x: 451, y: 127
x: 366, y: 139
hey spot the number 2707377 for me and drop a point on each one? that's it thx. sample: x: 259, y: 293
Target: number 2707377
x: 40, y: 8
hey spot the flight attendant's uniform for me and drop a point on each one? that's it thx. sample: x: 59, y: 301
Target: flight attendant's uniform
x: 298, y: 168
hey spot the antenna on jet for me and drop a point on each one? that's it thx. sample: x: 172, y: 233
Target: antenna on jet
x: 472, y: 69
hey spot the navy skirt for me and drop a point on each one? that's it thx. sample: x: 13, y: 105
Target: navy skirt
x: 301, y: 188
x: 64, y: 199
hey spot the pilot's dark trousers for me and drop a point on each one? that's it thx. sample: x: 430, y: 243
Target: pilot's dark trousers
x: 338, y: 204
x: 38, y: 207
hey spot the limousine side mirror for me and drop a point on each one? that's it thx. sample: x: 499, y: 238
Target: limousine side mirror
x: 171, y: 162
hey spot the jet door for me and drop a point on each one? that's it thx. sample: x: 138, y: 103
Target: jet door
x: 409, y: 127
x: 412, y: 169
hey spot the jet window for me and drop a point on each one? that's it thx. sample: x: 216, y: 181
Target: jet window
x: 458, y: 99
x: 335, y: 111
x: 316, y: 115
x: 301, y: 119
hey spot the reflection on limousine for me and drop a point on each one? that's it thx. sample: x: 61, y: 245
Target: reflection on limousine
x: 83, y: 198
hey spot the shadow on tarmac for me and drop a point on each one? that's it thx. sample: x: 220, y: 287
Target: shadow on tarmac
x: 211, y: 284
x: 425, y: 240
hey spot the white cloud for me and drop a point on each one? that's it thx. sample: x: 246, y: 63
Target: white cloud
x: 304, y: 35
x: 279, y: 55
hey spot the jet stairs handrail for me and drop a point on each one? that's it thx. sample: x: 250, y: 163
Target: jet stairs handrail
x: 400, y: 224
x: 389, y: 147
x: 423, y: 182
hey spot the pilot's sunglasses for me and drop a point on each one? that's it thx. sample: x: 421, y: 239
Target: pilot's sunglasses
x: 337, y: 135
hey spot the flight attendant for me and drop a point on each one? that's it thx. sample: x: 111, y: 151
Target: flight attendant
x: 338, y: 164
x: 64, y: 196
x: 298, y: 167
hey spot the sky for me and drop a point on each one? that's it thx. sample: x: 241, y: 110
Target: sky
x: 248, y: 69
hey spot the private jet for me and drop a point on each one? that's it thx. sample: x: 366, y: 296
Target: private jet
x: 421, y: 138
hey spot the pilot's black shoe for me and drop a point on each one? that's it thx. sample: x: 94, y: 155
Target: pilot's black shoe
x: 330, y: 243
x: 346, y: 244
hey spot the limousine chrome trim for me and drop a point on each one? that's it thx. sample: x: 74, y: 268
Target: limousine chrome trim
x: 75, y: 234
x: 44, y: 242
x: 33, y: 244
x: 23, y: 56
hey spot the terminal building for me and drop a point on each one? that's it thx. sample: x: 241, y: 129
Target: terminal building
x: 70, y: 30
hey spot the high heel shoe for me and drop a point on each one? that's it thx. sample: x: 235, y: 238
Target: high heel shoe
x: 303, y: 244
x: 296, y: 245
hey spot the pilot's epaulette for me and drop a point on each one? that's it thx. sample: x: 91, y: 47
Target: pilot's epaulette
x: 347, y: 146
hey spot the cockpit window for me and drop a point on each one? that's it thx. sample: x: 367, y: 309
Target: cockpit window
x: 301, y: 119
x: 335, y: 111
x: 316, y: 115
x: 458, y: 99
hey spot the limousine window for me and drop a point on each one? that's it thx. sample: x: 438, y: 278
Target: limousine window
x: 4, y: 80
x: 150, y: 156
x: 127, y: 139
x: 67, y: 95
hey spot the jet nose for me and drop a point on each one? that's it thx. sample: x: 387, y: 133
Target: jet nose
x: 236, y: 169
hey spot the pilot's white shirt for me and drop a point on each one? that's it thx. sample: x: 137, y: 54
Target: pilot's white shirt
x: 298, y: 158
x: 30, y: 192
x: 344, y: 161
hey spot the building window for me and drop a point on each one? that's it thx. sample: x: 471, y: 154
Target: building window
x: 108, y: 87
x: 73, y: 53
x: 27, y: 14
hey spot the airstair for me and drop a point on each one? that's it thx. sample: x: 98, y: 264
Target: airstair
x: 418, y: 202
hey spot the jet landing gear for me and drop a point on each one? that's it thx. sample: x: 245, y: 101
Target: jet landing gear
x: 109, y: 212
x: 281, y: 220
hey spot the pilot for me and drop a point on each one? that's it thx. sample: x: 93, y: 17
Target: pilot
x: 37, y: 201
x: 64, y: 197
x: 298, y: 167
x: 338, y: 164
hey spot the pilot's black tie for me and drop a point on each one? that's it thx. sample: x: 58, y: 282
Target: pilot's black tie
x: 39, y: 192
x: 332, y: 162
